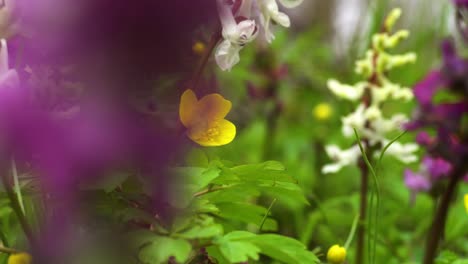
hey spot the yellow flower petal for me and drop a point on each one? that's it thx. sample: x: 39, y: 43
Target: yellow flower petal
x: 213, y: 107
x: 187, y: 107
x: 20, y: 258
x: 214, y: 133
x: 466, y: 202
x: 336, y: 254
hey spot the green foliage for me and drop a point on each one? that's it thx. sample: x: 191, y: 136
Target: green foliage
x: 217, y: 200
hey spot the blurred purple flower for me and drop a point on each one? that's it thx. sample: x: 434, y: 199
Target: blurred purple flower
x: 436, y: 167
x: 416, y: 182
x: 461, y: 3
x: 444, y: 117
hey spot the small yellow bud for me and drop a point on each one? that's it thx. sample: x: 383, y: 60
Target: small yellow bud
x: 336, y: 254
x: 199, y: 48
x: 466, y: 202
x: 20, y: 258
x: 322, y: 111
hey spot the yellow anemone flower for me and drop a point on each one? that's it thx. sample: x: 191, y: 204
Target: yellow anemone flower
x: 20, y: 258
x: 336, y: 254
x: 204, y: 119
x: 466, y: 202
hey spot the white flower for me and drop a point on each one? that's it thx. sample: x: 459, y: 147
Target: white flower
x: 341, y: 158
x: 403, y: 152
x: 383, y: 126
x: 8, y: 77
x: 227, y: 55
x: 291, y: 3
x: 270, y: 11
x: 235, y: 35
x: 355, y: 120
x: 345, y: 91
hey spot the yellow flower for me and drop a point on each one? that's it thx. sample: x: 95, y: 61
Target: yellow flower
x: 20, y: 258
x: 204, y: 119
x: 336, y: 254
x: 322, y: 111
x: 199, y: 48
x: 466, y: 202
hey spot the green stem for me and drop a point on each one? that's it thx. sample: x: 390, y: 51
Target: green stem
x: 438, y: 224
x: 204, y: 60
x: 361, y: 230
x: 17, y: 209
x: 8, y: 250
x: 17, y: 187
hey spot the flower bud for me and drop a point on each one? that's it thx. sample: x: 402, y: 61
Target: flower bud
x: 336, y: 254
x: 466, y: 202
x: 20, y: 258
x: 322, y: 111
x: 392, y: 18
x: 199, y: 48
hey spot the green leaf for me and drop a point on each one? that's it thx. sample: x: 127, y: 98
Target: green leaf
x: 271, y: 171
x: 284, y: 248
x: 161, y: 249
x: 199, y: 232
x: 247, y: 213
x: 235, y: 248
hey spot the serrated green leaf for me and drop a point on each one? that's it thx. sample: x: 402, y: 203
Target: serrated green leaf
x: 235, y: 248
x: 160, y: 249
x: 271, y: 171
x: 284, y: 248
x: 199, y: 232
x: 247, y: 213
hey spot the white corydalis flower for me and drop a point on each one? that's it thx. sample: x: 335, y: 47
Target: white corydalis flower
x: 403, y: 152
x: 8, y: 77
x: 291, y: 3
x: 341, y: 158
x: 254, y: 16
x: 235, y: 35
x: 270, y: 11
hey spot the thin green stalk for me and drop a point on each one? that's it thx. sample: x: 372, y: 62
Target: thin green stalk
x: 17, y: 209
x: 17, y: 187
x: 352, y: 232
x: 377, y: 192
x: 266, y: 214
x: 8, y: 250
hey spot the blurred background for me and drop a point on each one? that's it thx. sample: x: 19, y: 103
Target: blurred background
x: 280, y: 117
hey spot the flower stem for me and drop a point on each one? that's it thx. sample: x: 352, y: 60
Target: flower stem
x: 204, y: 60
x: 17, y: 209
x: 438, y: 224
x: 361, y: 230
x: 8, y: 250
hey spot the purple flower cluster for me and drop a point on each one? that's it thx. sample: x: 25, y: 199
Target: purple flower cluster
x: 447, y: 147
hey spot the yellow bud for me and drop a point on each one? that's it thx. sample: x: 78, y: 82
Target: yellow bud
x: 322, y: 111
x: 199, y: 48
x: 20, y: 258
x: 336, y: 254
x: 466, y: 202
